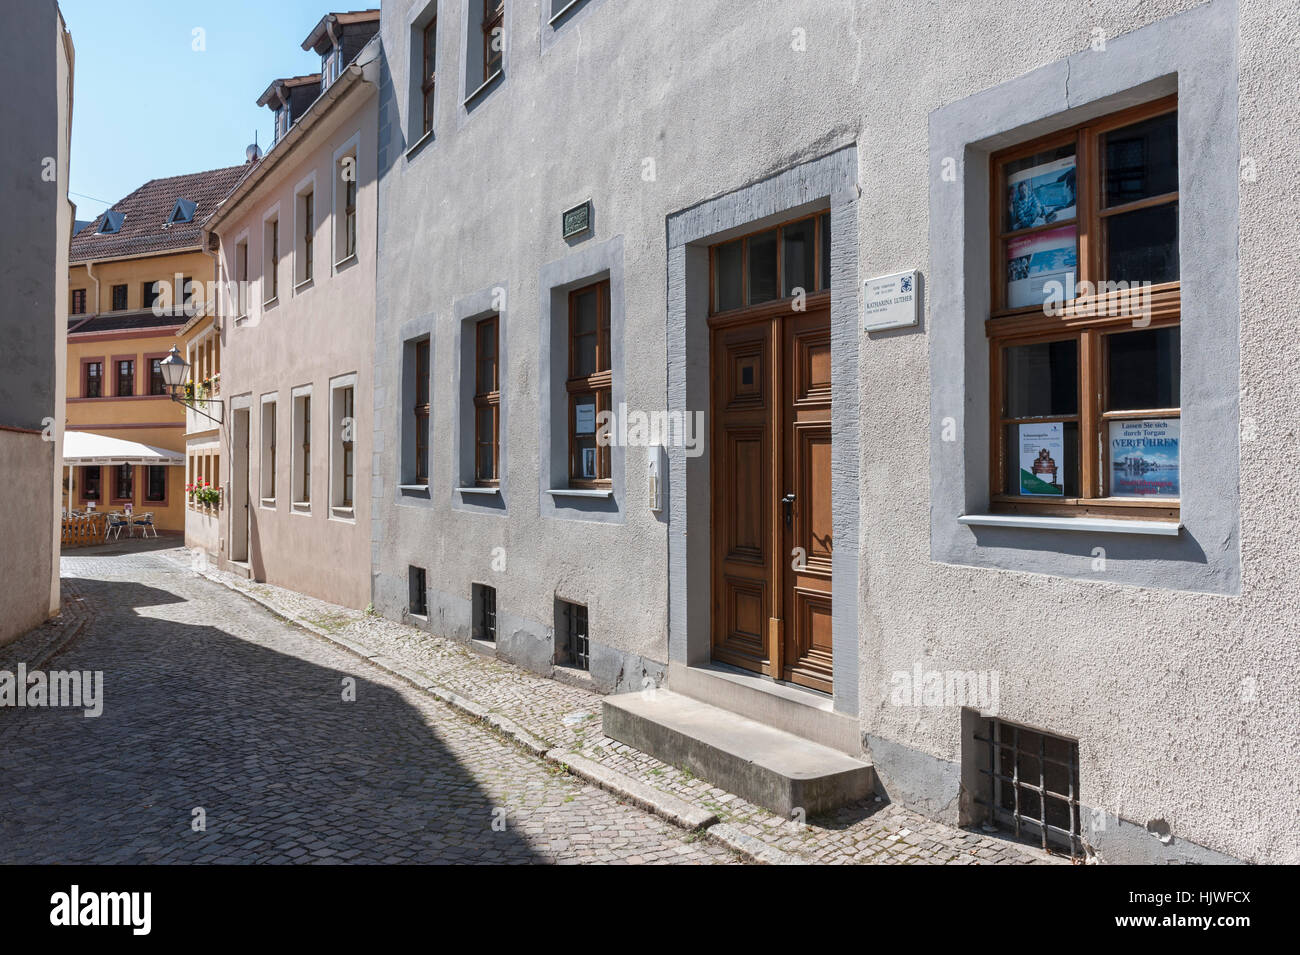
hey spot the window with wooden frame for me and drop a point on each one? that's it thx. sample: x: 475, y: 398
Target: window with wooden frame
x: 125, y: 377
x: 155, y: 491
x: 421, y: 411
x: 487, y: 403
x: 90, y: 483
x: 494, y: 16
x: 157, y: 384
x: 429, y: 47
x: 589, y: 384
x: 124, y: 484
x: 271, y: 265
x: 772, y: 265
x: 119, y: 298
x: 350, y: 214
x: 1084, y: 346
x: 93, y: 386
x: 78, y: 306
x: 347, y: 426
x: 308, y: 234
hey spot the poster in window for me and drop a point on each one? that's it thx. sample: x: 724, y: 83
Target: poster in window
x: 584, y: 417
x: 1034, y: 260
x: 1144, y: 458
x: 1041, y: 194
x: 1042, y: 459
x: 589, y: 463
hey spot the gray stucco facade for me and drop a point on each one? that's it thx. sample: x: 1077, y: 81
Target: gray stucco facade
x: 1170, y: 662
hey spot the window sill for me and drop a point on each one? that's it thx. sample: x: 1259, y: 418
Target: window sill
x: 555, y: 18
x: 345, y: 261
x: 267, y: 502
x: 271, y: 302
x: 580, y: 492
x: 478, y: 490
x: 414, y: 488
x: 1092, y: 525
x: 301, y: 507
x: 418, y: 144
x: 347, y: 514
x: 483, y: 88
x: 304, y: 284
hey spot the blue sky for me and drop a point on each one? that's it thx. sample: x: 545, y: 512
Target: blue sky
x: 146, y: 104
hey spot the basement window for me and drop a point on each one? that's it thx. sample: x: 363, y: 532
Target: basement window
x: 573, y: 651
x: 485, y: 612
x: 1034, y: 780
x: 419, y: 592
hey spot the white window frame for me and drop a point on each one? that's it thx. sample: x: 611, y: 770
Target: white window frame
x: 338, y: 512
x: 305, y: 186
x: 296, y: 456
x: 352, y: 147
x: 265, y: 468
x: 242, y: 302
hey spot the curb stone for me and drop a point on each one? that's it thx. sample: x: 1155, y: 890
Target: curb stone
x: 677, y: 811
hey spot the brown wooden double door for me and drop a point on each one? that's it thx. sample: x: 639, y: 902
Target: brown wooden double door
x: 771, y: 493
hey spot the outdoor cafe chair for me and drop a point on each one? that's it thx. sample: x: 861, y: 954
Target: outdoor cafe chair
x: 145, y: 522
x: 116, y: 521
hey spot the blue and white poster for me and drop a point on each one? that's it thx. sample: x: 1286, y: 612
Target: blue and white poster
x: 1144, y: 458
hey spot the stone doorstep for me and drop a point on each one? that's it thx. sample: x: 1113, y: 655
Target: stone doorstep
x: 766, y: 766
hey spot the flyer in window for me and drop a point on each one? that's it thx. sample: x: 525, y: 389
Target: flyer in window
x: 1041, y: 194
x: 1036, y: 259
x: 1042, y: 459
x: 1144, y: 458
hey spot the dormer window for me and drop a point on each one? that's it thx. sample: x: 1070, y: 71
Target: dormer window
x: 331, y: 65
x: 183, y: 211
x: 112, y: 223
x: 281, y: 123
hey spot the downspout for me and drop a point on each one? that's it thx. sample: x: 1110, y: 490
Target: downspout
x: 90, y: 270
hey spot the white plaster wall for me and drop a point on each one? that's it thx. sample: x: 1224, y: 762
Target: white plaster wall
x: 1149, y: 680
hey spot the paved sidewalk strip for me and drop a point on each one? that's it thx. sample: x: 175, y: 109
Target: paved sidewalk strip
x: 563, y: 722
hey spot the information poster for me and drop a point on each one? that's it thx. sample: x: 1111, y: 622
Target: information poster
x: 1041, y: 194
x: 584, y: 418
x: 1036, y: 259
x: 1144, y: 458
x: 1042, y: 458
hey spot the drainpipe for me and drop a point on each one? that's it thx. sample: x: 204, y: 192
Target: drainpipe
x: 90, y: 270
x: 334, y: 45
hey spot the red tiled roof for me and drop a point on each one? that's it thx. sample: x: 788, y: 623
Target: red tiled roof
x: 144, y: 230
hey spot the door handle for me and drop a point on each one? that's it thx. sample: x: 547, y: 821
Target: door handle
x: 788, y: 501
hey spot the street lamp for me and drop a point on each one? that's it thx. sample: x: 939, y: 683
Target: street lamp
x: 174, y: 371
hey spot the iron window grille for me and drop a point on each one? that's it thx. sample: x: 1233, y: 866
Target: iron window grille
x: 485, y: 612
x: 576, y: 646
x: 419, y: 594
x: 1035, y: 783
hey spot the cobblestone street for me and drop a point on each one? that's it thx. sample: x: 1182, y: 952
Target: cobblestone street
x: 213, y: 703
x: 226, y: 695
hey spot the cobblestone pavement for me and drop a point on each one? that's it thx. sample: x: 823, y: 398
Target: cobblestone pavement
x: 568, y: 717
x: 216, y: 709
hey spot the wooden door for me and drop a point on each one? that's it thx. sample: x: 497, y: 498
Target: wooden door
x: 771, y: 512
x: 806, y: 518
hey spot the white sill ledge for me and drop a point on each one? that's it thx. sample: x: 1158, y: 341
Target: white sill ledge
x: 346, y: 514
x: 560, y: 14
x: 1094, y: 525
x: 304, y: 284
x: 418, y: 143
x: 414, y: 488
x: 478, y: 490
x: 486, y: 83
x: 580, y: 492
x: 302, y: 507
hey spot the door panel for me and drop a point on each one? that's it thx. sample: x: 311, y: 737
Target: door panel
x: 771, y: 506
x: 806, y: 656
x: 742, y: 523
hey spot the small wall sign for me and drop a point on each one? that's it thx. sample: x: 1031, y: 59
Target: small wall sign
x: 576, y: 221
x: 891, y: 301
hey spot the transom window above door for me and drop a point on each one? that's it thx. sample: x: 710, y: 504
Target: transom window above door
x: 771, y: 265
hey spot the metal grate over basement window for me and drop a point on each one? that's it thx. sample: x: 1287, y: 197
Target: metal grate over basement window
x: 485, y: 612
x: 1035, y: 779
x: 419, y: 594
x: 575, y: 644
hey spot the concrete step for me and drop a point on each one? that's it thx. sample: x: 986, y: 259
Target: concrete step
x: 767, y: 766
x: 783, y: 706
